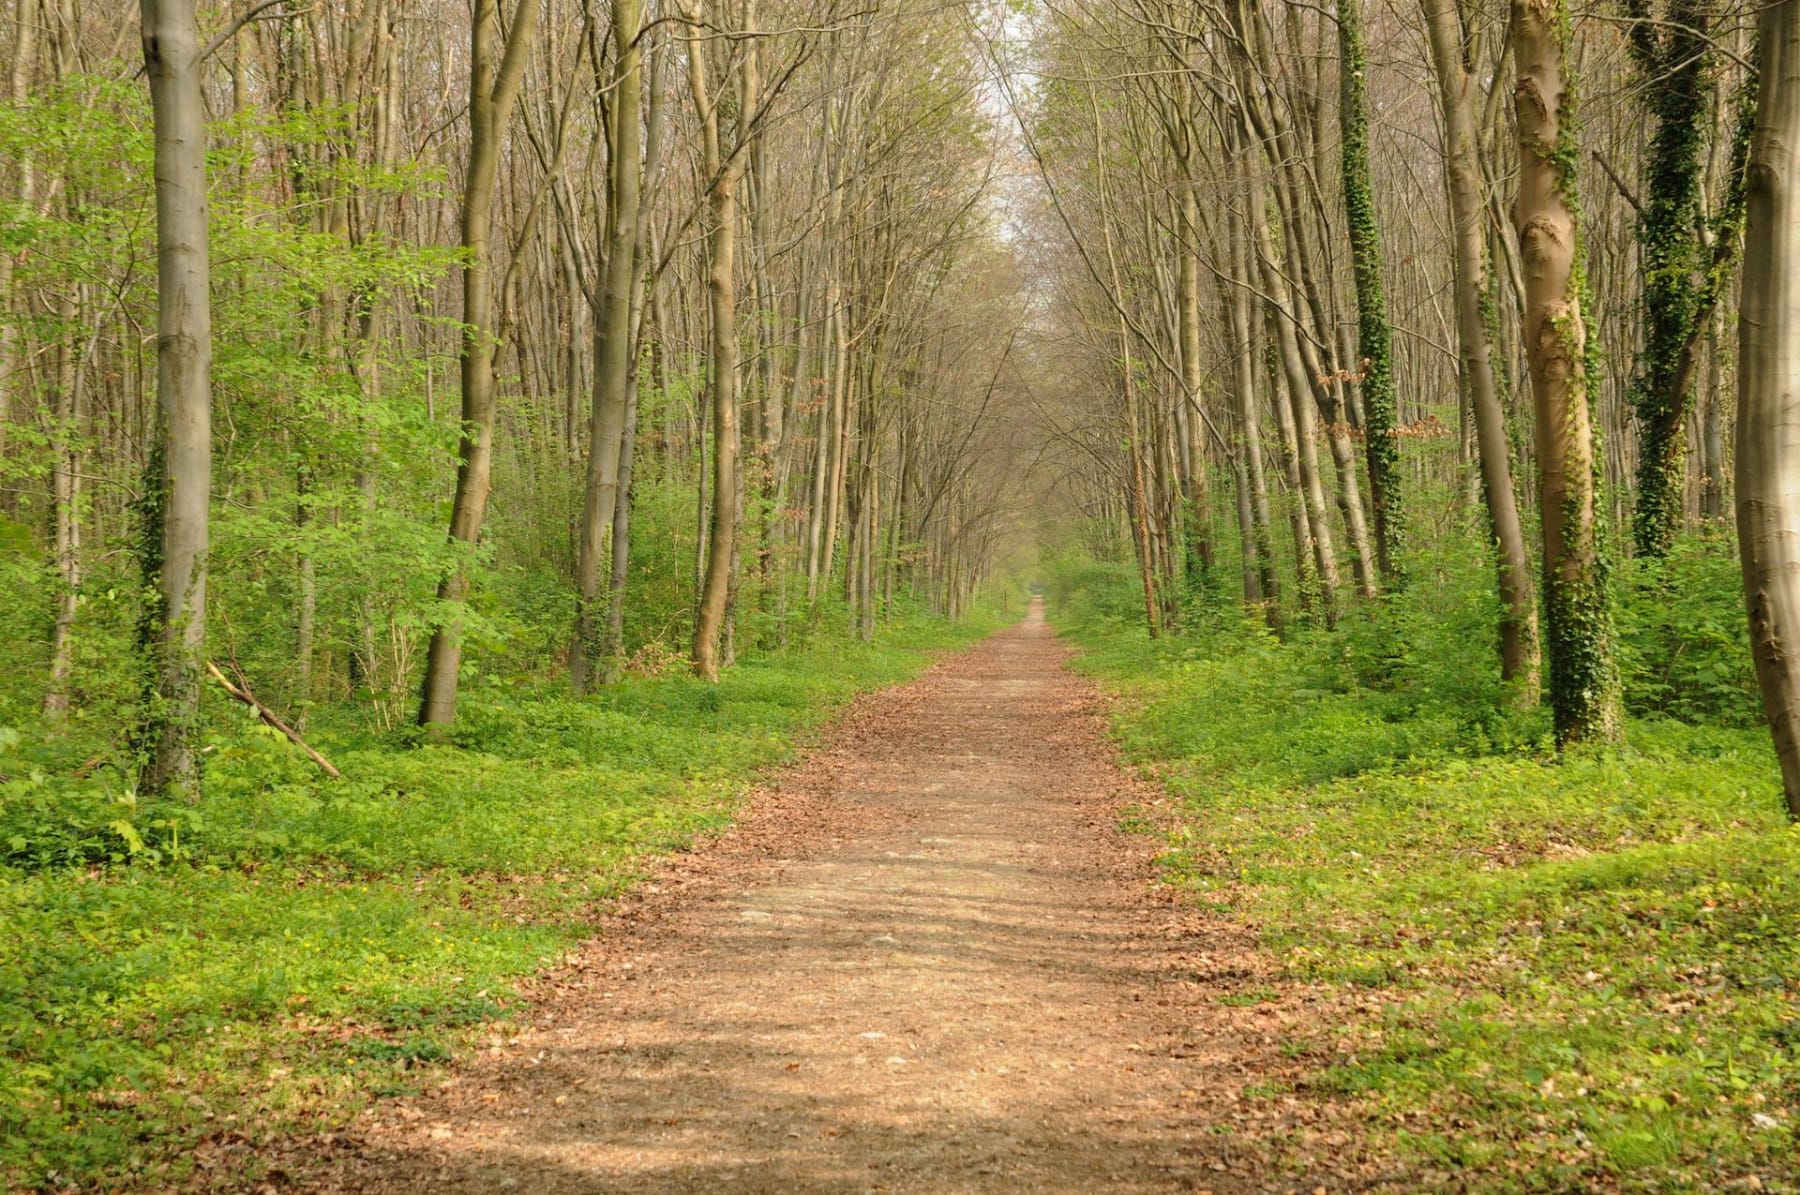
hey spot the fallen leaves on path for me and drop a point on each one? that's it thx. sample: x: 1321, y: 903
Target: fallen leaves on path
x: 924, y: 959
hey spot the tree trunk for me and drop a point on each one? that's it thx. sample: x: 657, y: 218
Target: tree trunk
x: 842, y: 404
x: 175, y: 538
x: 612, y: 650
x: 494, y: 77
x: 1676, y: 89
x: 722, y: 379
x: 1375, y: 337
x: 1198, y: 516
x: 615, y: 345
x: 1261, y: 581
x: 1310, y: 491
x: 1768, y: 426
x: 1712, y: 436
x: 1584, y: 677
x: 24, y: 66
x: 1518, y: 608
x: 65, y: 496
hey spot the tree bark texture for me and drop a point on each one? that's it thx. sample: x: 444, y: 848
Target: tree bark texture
x: 615, y: 346
x: 494, y: 75
x: 1584, y: 678
x: 1518, y: 617
x: 1374, y: 335
x: 1768, y: 429
x: 722, y: 376
x: 180, y: 482
x: 1676, y: 89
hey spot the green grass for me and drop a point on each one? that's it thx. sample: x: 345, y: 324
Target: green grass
x: 1590, y: 967
x: 270, y: 959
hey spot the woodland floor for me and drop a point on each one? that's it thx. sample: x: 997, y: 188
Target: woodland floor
x: 928, y: 958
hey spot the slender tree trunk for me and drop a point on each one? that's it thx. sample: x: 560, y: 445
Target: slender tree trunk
x: 1584, y: 676
x: 1311, y: 492
x: 494, y: 77
x: 613, y: 649
x: 644, y: 252
x: 1518, y: 617
x: 842, y: 401
x: 1261, y: 580
x: 865, y: 610
x: 615, y: 344
x: 24, y: 67
x: 307, y: 616
x: 822, y: 442
x: 1676, y: 88
x: 1712, y: 437
x: 65, y: 495
x: 1198, y: 518
x: 1768, y: 427
x: 722, y: 381
x: 175, y: 540
x: 1382, y: 448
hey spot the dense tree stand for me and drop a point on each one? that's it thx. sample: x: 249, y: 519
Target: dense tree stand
x: 451, y: 451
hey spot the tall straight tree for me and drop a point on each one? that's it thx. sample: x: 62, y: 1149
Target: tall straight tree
x: 180, y: 476
x: 1768, y: 429
x: 1584, y: 678
x: 1381, y: 444
x: 1518, y: 604
x: 615, y: 344
x: 1675, y: 59
x: 494, y: 74
x: 722, y: 171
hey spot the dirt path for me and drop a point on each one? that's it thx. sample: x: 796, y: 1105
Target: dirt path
x: 926, y: 961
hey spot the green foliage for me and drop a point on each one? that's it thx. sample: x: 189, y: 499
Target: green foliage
x: 1683, y: 637
x: 1585, y: 961
x: 162, y: 964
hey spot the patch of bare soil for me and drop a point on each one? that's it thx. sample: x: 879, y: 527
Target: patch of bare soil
x: 926, y: 960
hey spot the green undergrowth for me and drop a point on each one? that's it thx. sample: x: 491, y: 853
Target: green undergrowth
x: 267, y: 960
x: 1587, y: 968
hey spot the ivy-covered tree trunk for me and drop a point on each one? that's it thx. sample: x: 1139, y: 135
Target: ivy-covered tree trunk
x: 1675, y: 60
x: 1768, y: 429
x: 1374, y: 335
x: 1462, y: 169
x: 1584, y: 676
x: 180, y: 482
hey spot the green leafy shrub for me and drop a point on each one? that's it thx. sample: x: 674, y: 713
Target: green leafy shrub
x: 1585, y: 962
x: 1684, y: 642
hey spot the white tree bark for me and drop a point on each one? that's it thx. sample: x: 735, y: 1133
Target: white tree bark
x: 1768, y: 430
x: 184, y: 395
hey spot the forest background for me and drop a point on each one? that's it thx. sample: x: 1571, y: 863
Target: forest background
x: 599, y: 394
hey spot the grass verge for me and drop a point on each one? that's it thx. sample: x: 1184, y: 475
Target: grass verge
x: 1587, y: 969
x: 266, y: 962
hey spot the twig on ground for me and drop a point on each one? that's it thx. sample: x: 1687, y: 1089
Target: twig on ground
x: 242, y: 692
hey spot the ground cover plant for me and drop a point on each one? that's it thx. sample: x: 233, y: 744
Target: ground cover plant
x: 1585, y: 965
x: 428, y: 367
x: 273, y: 957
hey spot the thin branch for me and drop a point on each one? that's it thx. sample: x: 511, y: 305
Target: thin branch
x: 242, y: 692
x: 252, y: 14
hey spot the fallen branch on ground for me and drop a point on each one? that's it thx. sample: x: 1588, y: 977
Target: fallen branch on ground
x: 242, y: 692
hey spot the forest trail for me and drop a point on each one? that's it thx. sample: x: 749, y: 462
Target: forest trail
x: 926, y: 960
